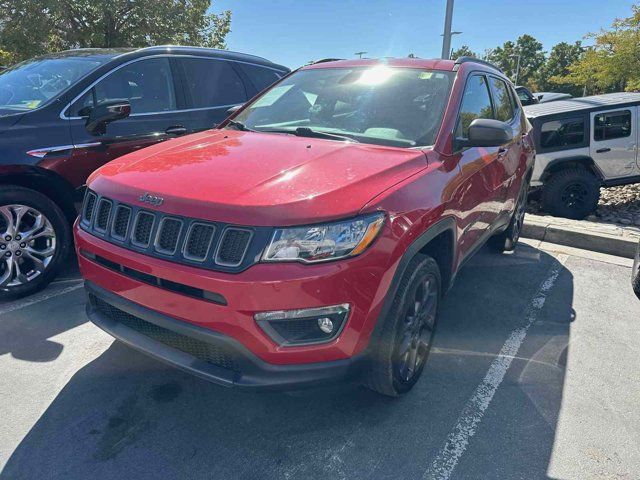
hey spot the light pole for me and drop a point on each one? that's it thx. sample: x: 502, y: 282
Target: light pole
x: 360, y: 54
x: 515, y: 80
x: 446, y: 35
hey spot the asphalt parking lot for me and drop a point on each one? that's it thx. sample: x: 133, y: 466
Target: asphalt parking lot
x: 534, y: 374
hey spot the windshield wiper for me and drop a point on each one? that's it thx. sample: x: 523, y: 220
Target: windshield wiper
x: 308, y: 132
x: 239, y: 126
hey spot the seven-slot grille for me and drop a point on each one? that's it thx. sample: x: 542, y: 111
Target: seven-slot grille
x: 174, y: 238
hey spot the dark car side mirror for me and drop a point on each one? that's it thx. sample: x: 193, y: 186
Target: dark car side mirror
x: 105, y: 113
x: 485, y: 132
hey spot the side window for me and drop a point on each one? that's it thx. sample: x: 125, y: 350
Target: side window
x: 147, y: 84
x: 212, y: 83
x: 562, y: 133
x: 607, y: 126
x: 476, y: 103
x: 502, y: 99
x: 260, y: 77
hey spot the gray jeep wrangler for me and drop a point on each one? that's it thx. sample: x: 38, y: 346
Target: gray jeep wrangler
x: 583, y: 144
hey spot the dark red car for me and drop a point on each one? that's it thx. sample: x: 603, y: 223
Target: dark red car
x: 312, y: 236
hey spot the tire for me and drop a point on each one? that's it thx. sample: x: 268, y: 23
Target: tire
x: 390, y: 372
x: 571, y: 193
x: 506, y: 241
x: 635, y: 278
x: 38, y: 259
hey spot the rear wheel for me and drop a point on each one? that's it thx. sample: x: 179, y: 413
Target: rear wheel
x: 571, y: 193
x: 404, y: 340
x: 35, y: 238
x: 506, y: 241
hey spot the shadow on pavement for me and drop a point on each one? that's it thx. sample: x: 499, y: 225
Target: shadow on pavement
x: 127, y: 416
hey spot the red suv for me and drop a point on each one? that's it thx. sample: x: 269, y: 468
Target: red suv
x: 311, y: 236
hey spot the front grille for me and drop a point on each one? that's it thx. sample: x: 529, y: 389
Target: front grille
x: 143, y: 228
x: 89, y: 205
x: 198, y: 241
x: 213, y: 354
x: 104, y: 210
x: 121, y: 222
x: 168, y: 234
x: 233, y: 246
x: 191, y: 241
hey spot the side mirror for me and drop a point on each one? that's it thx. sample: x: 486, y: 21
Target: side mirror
x: 233, y: 109
x: 485, y: 132
x: 105, y: 113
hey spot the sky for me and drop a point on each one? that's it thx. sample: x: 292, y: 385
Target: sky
x: 293, y: 32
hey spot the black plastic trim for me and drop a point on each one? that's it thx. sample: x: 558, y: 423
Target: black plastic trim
x: 254, y: 372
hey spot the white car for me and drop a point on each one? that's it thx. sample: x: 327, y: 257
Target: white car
x: 583, y: 144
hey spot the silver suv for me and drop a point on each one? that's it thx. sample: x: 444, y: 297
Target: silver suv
x: 581, y: 145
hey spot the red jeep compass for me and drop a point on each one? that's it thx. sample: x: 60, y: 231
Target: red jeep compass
x: 312, y: 236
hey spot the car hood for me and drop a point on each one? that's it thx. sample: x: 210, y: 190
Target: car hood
x: 252, y: 178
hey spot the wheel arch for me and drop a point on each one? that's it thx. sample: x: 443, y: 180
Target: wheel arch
x: 580, y: 161
x: 438, y: 241
x: 44, y: 181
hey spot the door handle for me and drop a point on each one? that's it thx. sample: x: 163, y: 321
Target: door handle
x: 603, y: 150
x: 176, y: 130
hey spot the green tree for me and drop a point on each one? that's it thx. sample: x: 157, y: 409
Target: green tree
x: 613, y: 63
x: 32, y: 27
x: 531, y: 59
x: 562, y: 55
x: 463, y: 51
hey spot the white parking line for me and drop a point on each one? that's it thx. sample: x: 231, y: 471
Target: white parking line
x: 458, y: 439
x: 37, y: 299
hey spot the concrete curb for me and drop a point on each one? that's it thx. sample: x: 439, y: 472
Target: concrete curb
x: 609, y: 239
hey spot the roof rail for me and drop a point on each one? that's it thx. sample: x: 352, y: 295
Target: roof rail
x: 461, y: 60
x: 323, y: 60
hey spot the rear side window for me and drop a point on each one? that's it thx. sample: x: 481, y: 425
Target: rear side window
x: 562, y: 133
x: 476, y: 103
x: 607, y: 126
x: 147, y: 84
x: 212, y: 83
x: 502, y: 99
x: 260, y: 77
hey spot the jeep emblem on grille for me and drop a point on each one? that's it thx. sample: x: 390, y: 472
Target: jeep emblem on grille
x: 154, y: 200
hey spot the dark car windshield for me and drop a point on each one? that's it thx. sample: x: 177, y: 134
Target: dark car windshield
x: 32, y: 83
x: 381, y: 105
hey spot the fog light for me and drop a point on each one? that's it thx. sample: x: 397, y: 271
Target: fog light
x: 325, y: 324
x: 304, y: 326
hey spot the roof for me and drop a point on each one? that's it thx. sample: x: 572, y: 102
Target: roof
x: 433, y: 64
x: 582, y: 103
x: 113, y: 52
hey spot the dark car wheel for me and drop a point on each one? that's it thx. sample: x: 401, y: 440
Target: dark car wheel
x: 635, y: 279
x: 571, y: 193
x: 404, y: 339
x: 35, y: 238
x: 506, y: 241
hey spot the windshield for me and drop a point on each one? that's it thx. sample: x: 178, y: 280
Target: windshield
x: 32, y: 83
x: 382, y: 105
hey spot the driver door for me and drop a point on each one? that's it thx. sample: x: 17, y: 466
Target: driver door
x: 148, y: 85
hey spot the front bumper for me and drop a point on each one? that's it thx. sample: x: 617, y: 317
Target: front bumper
x: 203, y: 352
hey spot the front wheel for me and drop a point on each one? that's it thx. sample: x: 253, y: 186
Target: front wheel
x: 404, y: 339
x: 35, y: 238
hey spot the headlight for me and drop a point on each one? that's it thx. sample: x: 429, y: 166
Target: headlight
x: 329, y: 241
